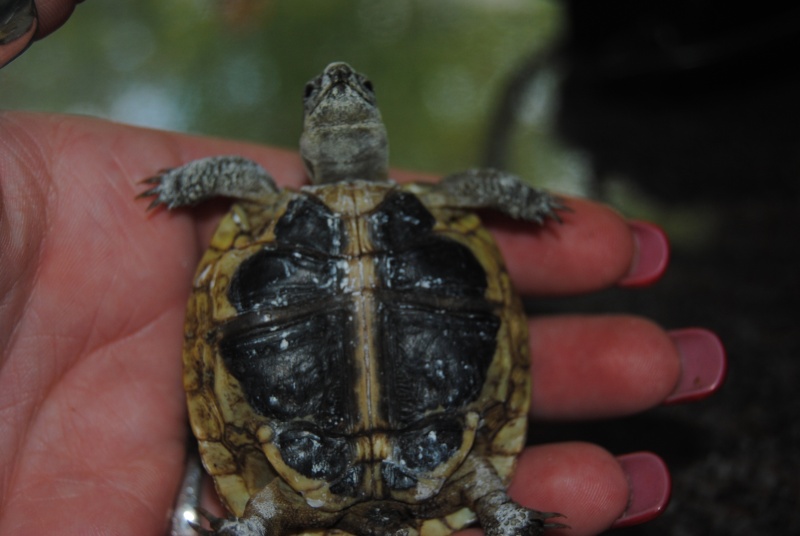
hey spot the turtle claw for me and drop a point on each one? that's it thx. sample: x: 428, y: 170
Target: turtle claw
x: 544, y: 516
x: 214, y: 521
x: 155, y: 179
x: 543, y: 206
x: 208, y: 516
x: 512, y: 519
x: 557, y: 205
x: 202, y: 531
x: 166, y: 188
x: 155, y: 191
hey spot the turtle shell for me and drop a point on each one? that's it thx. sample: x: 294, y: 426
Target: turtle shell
x: 356, y: 343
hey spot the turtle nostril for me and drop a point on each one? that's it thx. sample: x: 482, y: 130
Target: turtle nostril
x: 339, y: 71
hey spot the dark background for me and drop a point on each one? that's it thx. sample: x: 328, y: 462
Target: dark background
x: 701, y: 105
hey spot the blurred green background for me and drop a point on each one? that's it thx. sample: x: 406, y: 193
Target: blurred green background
x: 236, y: 68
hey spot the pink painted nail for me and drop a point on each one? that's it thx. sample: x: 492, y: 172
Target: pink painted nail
x: 652, y: 255
x: 703, y: 364
x: 650, y: 485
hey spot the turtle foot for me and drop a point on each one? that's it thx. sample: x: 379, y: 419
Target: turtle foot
x: 511, y: 519
x: 228, y: 527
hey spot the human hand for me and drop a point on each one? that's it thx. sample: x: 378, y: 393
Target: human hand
x: 93, y: 293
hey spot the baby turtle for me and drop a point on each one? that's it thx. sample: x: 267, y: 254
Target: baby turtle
x: 355, y: 358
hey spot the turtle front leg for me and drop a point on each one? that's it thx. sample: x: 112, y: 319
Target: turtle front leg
x: 496, y: 190
x: 225, y: 176
x: 497, y: 513
x: 273, y: 511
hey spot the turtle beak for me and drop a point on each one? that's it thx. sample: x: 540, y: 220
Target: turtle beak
x: 337, y: 80
x: 338, y: 73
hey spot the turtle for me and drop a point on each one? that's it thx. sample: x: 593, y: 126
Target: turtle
x: 355, y: 356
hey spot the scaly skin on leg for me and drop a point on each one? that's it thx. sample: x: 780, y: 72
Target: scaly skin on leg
x: 497, y: 190
x: 216, y: 176
x: 275, y: 510
x: 497, y: 513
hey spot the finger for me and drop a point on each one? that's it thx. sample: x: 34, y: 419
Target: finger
x: 600, y: 366
x: 592, y: 249
x: 52, y: 14
x: 580, y: 481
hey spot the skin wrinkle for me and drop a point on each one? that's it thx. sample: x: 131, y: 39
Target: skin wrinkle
x: 104, y: 244
x: 21, y: 429
x: 16, y: 253
x: 30, y: 418
x: 88, y: 467
x: 127, y: 327
x: 23, y: 256
x: 74, y: 487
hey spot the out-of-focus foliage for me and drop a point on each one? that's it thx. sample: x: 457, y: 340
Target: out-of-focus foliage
x: 236, y: 68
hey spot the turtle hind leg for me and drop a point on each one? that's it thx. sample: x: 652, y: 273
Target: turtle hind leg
x: 497, y: 513
x: 276, y: 510
x: 228, y: 527
x: 216, y: 176
x: 501, y: 516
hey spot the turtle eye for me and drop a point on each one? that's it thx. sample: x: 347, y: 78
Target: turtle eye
x: 309, y: 90
x: 368, y: 85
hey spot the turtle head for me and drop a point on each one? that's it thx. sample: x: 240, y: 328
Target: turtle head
x: 343, y: 134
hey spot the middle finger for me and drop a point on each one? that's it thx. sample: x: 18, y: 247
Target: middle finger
x: 599, y: 366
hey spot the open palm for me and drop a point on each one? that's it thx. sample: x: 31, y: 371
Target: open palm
x: 93, y: 291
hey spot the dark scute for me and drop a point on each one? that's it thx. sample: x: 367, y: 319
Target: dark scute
x: 294, y: 369
x: 412, y: 258
x: 309, y: 224
x: 424, y: 449
x: 433, y: 358
x: 313, y: 455
x: 400, y: 219
x: 349, y: 484
x: 298, y: 267
x: 397, y: 477
x: 438, y: 266
x: 279, y: 277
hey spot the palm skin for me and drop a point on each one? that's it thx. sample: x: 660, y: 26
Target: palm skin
x: 93, y: 292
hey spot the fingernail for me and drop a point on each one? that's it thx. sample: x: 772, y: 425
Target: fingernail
x: 652, y: 255
x: 650, y: 486
x: 703, y: 364
x: 18, y: 24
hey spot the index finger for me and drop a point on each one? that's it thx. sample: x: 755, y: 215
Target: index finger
x: 591, y: 249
